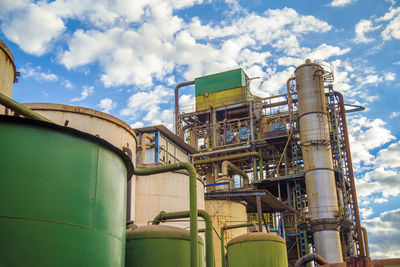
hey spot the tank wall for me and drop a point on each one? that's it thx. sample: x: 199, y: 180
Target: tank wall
x: 225, y: 212
x: 165, y: 192
x: 96, y: 123
x: 7, y: 72
x: 62, y: 199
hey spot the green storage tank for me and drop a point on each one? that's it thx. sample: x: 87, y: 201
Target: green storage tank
x: 62, y: 196
x: 160, y: 245
x: 257, y: 250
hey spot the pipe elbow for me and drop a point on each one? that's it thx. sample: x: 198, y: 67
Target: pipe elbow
x: 310, y: 257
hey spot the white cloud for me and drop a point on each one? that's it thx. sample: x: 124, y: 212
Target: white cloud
x: 366, y: 135
x: 186, y: 103
x: 390, y: 156
x: 340, y: 3
x: 86, y: 91
x: 137, y: 124
x: 383, y: 234
x: 362, y: 28
x: 394, y: 114
x: 36, y: 73
x: 366, y: 212
x: 106, y: 105
x: 33, y: 28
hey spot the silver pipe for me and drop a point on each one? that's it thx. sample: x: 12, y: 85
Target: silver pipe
x: 318, y: 165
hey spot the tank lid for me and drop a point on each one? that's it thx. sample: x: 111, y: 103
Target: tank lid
x: 8, y: 53
x: 159, y: 232
x: 256, y: 237
x: 308, y: 63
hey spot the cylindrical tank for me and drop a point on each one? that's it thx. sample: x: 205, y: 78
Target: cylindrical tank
x: 160, y: 245
x: 97, y: 123
x: 167, y: 192
x: 257, y: 249
x: 223, y: 213
x: 7, y: 71
x: 62, y: 196
x: 317, y: 158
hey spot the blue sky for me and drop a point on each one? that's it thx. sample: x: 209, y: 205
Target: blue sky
x: 124, y: 57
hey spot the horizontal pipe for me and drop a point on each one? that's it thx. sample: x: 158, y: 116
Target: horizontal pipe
x: 219, y: 151
x: 192, y: 199
x: 310, y: 257
x: 254, y: 229
x: 162, y: 216
x: 227, y: 157
x: 21, y: 109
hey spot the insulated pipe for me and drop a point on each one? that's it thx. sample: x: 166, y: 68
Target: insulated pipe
x: 227, y: 157
x: 192, y: 199
x: 260, y: 164
x: 317, y: 158
x: 365, y: 239
x: 179, y: 85
x: 143, y: 145
x: 229, y: 165
x: 163, y: 216
x: 351, y: 174
x: 310, y: 257
x: 254, y: 229
x: 21, y: 109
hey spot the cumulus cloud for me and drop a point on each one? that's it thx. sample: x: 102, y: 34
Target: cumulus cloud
x: 362, y: 28
x: 394, y: 114
x: 341, y: 3
x: 383, y: 233
x: 86, y: 91
x: 366, y: 135
x: 36, y: 73
x: 106, y: 105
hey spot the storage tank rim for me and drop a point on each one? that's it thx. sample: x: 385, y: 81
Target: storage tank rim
x: 7, y: 51
x: 82, y: 110
x: 256, y: 237
x: 74, y: 132
x: 308, y: 65
x: 159, y: 232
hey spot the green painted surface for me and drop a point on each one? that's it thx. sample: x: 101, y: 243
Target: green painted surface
x: 257, y: 252
x: 220, y: 81
x: 150, y: 246
x: 62, y: 199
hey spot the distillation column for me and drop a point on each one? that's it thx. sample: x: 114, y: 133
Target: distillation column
x: 317, y: 157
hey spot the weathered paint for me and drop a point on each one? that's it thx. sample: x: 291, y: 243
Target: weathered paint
x: 8, y: 73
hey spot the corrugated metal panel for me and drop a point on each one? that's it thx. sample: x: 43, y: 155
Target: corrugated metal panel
x: 223, y: 98
x: 220, y: 81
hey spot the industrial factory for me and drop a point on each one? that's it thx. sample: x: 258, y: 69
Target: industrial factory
x: 245, y: 181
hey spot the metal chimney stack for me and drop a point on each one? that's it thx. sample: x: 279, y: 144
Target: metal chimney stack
x: 317, y: 157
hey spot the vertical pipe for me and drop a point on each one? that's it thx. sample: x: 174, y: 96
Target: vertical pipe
x: 260, y: 163
x: 162, y: 216
x: 179, y: 85
x: 351, y: 174
x: 222, y: 235
x: 259, y: 213
x: 192, y: 199
x: 289, y: 194
x: 317, y: 158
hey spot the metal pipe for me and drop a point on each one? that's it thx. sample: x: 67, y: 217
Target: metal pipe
x: 192, y: 199
x: 254, y: 229
x: 260, y: 164
x: 179, y: 85
x: 227, y: 157
x: 259, y: 212
x: 21, y: 109
x: 317, y: 158
x: 365, y: 238
x: 143, y: 145
x: 163, y: 216
x: 309, y: 258
x: 351, y: 174
x: 219, y: 151
x: 229, y: 165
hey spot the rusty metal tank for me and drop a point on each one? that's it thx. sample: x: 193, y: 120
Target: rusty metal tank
x: 8, y: 72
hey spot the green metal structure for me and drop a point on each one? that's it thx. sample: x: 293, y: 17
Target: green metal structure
x: 160, y: 245
x: 220, y: 81
x: 62, y: 196
x: 257, y: 249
